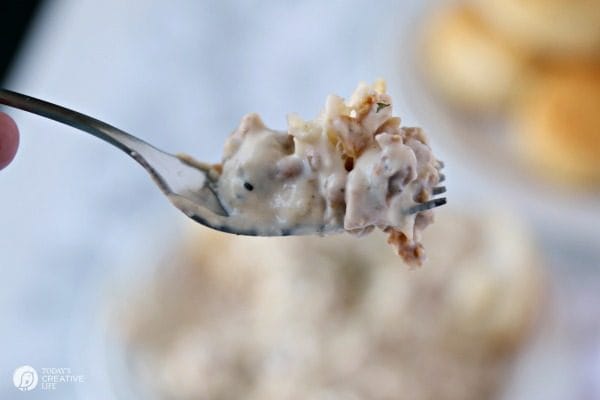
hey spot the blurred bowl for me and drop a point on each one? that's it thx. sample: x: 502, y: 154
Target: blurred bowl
x: 490, y: 295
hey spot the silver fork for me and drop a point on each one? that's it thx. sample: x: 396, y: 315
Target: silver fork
x: 189, y: 185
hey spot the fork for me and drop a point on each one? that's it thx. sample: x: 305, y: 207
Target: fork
x: 191, y: 186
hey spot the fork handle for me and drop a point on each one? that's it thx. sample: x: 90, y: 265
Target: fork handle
x: 139, y: 150
x: 101, y: 130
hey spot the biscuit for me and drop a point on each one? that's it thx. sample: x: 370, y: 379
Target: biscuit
x: 557, y: 124
x: 471, y: 66
x: 555, y: 27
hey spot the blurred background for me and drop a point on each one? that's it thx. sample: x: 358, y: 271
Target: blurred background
x: 509, y: 93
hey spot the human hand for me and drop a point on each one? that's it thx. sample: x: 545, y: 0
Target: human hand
x: 9, y: 139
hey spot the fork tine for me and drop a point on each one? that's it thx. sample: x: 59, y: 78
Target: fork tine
x: 441, y: 164
x: 442, y: 178
x: 439, y: 190
x: 426, y: 206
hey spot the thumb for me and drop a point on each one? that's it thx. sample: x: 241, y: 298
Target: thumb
x: 9, y: 139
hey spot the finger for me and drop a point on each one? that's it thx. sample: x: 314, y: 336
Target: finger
x: 9, y: 139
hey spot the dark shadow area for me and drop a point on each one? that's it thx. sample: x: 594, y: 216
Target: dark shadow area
x: 17, y: 16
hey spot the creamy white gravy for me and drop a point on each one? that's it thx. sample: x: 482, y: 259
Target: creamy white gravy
x: 353, y: 167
